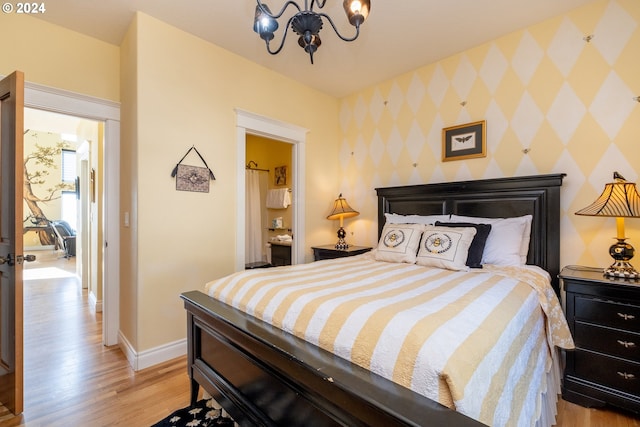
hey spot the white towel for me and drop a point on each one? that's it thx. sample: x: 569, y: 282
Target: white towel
x: 278, y: 198
x: 282, y: 238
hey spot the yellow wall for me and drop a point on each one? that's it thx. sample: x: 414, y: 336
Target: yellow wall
x: 54, y: 56
x: 544, y: 89
x: 182, y: 91
x: 129, y: 185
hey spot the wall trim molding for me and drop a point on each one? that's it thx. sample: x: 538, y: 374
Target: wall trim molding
x: 76, y: 104
x: 94, y: 303
x: 255, y: 124
x: 147, y: 358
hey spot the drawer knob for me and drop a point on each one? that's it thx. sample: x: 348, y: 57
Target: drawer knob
x: 627, y: 344
x: 627, y: 316
x: 627, y: 376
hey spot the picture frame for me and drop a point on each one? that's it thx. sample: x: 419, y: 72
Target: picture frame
x: 192, y: 178
x: 280, y: 176
x: 466, y: 141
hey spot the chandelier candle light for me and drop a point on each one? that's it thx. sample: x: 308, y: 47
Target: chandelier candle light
x: 307, y: 22
x: 619, y: 199
x: 342, y: 210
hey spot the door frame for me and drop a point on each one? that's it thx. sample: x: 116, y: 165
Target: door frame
x: 74, y: 104
x: 255, y: 124
x: 83, y: 249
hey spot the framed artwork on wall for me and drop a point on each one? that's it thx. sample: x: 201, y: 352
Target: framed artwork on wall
x: 464, y: 141
x: 280, y: 175
x: 192, y: 178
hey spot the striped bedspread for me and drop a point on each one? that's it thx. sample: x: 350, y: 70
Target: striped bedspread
x: 479, y: 342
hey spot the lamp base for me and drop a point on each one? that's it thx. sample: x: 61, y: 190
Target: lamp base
x: 622, y: 270
x: 342, y: 245
x: 621, y: 252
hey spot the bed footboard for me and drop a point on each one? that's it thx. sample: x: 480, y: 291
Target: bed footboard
x: 264, y: 376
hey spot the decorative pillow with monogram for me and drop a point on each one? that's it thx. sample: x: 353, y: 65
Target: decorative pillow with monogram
x: 445, y: 247
x: 474, y: 257
x: 399, y: 243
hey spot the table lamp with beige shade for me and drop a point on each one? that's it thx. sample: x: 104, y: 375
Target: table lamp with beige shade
x: 620, y: 200
x: 342, y: 210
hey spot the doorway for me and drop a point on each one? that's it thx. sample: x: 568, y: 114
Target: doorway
x: 269, y: 205
x: 62, y: 218
x: 253, y: 124
x: 60, y: 101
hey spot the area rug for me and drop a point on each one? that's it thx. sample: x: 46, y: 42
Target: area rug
x: 205, y: 413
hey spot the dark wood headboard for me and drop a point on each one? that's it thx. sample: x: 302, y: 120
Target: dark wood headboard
x: 537, y: 195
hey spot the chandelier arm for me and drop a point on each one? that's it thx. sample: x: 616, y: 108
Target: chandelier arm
x: 279, y: 14
x: 335, y: 29
x: 284, y: 37
x: 319, y: 2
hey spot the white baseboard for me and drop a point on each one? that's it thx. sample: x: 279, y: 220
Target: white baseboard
x: 151, y: 357
x: 94, y: 303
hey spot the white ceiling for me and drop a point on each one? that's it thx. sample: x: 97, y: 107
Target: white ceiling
x: 398, y: 36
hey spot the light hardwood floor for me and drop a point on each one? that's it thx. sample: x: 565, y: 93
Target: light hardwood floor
x: 72, y: 380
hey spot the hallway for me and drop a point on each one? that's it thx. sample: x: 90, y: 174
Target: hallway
x: 70, y: 377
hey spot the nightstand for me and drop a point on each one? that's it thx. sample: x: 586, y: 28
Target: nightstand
x: 604, y: 318
x: 330, y: 251
x: 280, y: 253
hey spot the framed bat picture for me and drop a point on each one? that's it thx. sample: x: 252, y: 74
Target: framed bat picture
x: 464, y: 141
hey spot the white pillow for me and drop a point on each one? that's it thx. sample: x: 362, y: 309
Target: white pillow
x: 392, y: 218
x: 508, y: 241
x: 399, y: 243
x: 445, y: 247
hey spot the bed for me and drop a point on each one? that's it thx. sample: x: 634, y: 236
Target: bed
x: 262, y: 375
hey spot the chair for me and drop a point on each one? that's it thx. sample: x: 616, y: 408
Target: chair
x: 67, y: 236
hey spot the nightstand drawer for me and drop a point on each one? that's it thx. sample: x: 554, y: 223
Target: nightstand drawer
x: 608, y: 313
x: 608, y: 371
x: 609, y: 341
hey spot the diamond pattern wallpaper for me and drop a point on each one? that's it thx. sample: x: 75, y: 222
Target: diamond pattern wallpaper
x: 560, y: 96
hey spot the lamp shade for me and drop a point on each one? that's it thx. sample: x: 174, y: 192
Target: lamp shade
x: 341, y: 209
x: 619, y: 199
x: 356, y: 10
x: 263, y: 23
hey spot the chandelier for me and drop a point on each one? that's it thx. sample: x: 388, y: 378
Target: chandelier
x: 307, y: 22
